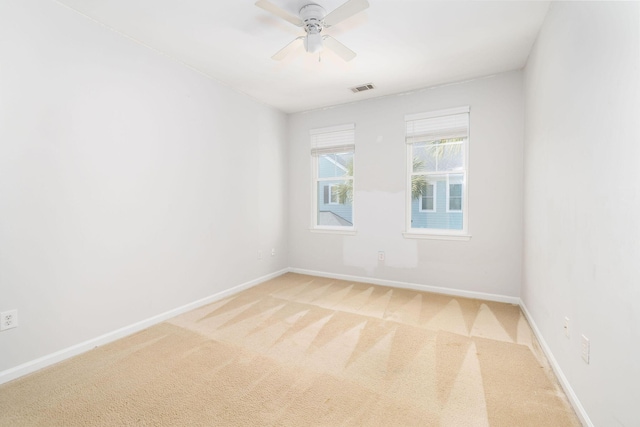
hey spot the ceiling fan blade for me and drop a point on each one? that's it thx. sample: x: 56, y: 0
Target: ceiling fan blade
x: 347, y: 10
x: 338, y: 48
x: 279, y: 56
x: 280, y: 13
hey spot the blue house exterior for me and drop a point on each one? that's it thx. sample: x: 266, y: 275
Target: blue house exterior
x: 330, y: 211
x: 436, y: 211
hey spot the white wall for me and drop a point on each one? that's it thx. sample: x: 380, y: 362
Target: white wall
x: 582, y: 200
x: 129, y: 184
x: 490, y: 262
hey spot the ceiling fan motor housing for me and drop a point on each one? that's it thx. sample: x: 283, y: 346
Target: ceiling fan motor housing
x: 312, y: 16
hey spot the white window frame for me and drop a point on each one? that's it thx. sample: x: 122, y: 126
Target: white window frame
x: 431, y: 233
x: 434, y: 197
x: 338, y: 148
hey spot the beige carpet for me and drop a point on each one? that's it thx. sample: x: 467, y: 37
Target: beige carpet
x: 301, y: 351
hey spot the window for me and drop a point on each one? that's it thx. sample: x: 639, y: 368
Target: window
x: 454, y: 198
x: 428, y: 198
x: 437, y: 161
x: 332, y: 152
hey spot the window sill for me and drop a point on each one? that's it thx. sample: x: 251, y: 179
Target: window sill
x: 346, y: 232
x: 432, y: 236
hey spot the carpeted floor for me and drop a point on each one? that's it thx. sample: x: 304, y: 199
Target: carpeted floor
x: 302, y: 351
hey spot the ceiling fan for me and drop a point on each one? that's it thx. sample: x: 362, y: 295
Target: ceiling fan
x: 313, y: 18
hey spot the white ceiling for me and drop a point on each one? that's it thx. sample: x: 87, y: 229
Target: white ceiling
x: 402, y: 45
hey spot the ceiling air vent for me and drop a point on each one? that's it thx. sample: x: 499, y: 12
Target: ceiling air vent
x: 362, y: 88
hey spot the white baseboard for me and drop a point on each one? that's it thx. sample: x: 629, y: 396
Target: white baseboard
x: 58, y: 356
x: 564, y: 382
x: 413, y: 286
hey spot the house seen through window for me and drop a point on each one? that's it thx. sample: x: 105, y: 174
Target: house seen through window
x: 333, y: 151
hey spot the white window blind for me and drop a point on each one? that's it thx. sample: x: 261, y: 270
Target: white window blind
x: 448, y: 125
x: 335, y: 139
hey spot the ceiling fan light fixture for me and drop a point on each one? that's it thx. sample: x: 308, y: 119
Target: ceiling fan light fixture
x: 313, y: 42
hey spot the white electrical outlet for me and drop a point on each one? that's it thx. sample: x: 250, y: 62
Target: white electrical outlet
x: 273, y: 252
x: 585, y: 349
x: 566, y: 327
x: 8, y: 320
x: 380, y: 255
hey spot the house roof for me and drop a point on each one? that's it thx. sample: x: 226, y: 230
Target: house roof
x: 331, y: 219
